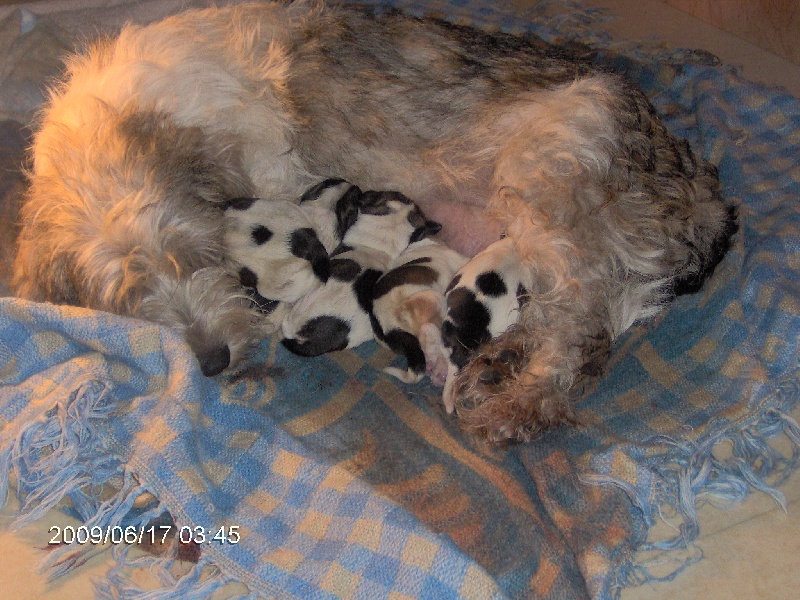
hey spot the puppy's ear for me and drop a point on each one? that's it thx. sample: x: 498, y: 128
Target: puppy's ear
x: 314, y: 192
x: 427, y: 229
x: 347, y: 210
x: 376, y: 203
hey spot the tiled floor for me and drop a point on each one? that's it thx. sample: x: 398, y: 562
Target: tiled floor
x: 751, y: 551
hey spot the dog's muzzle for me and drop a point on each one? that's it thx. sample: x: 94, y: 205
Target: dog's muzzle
x: 215, y: 361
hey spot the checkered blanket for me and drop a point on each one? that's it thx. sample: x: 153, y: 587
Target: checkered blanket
x: 323, y: 478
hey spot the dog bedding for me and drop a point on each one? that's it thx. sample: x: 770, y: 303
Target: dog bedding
x: 323, y: 477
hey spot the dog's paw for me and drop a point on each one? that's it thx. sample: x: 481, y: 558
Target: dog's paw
x: 508, y: 392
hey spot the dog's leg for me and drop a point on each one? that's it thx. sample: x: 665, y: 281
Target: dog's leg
x: 525, y: 379
x: 613, y: 216
x: 430, y: 339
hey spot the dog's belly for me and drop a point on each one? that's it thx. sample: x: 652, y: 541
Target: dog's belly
x: 465, y: 227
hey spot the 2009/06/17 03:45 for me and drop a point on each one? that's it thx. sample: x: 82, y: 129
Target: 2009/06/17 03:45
x: 153, y: 534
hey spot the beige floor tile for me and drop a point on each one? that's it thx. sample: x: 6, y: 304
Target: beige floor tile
x: 644, y: 19
x: 756, y: 559
x: 22, y: 553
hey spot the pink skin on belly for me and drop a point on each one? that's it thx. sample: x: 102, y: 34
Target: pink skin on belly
x: 465, y: 227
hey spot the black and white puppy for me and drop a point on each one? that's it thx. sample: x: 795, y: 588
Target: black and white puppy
x: 282, y: 247
x: 409, y: 306
x: 483, y: 300
x: 375, y: 227
x: 319, y: 204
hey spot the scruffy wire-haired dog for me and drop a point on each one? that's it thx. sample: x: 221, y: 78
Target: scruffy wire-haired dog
x: 152, y: 131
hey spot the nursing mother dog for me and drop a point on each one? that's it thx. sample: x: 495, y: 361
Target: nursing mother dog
x: 151, y: 132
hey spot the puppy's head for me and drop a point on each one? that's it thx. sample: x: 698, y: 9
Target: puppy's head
x: 387, y: 221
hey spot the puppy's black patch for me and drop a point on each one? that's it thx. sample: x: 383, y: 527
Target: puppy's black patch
x: 240, y: 203
x: 453, y: 283
x: 377, y: 202
x: 413, y: 274
x: 345, y: 269
x: 321, y: 335
x: 459, y: 354
x: 419, y: 261
x: 261, y: 235
x: 364, y: 288
x: 248, y: 278
x: 304, y: 243
x: 317, y: 190
x: 341, y: 249
x: 347, y: 210
x: 405, y: 344
x: 466, y: 326
x: 491, y: 284
x: 428, y: 229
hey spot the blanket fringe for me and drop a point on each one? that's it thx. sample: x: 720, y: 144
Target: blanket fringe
x: 60, y: 456
x: 198, y: 583
x: 690, y: 474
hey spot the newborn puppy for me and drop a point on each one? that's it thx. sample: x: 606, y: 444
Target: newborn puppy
x: 319, y: 204
x: 282, y: 247
x: 409, y: 305
x: 375, y: 227
x: 277, y: 246
x: 483, y: 300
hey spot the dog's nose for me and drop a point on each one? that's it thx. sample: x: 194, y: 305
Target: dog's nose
x: 214, y: 361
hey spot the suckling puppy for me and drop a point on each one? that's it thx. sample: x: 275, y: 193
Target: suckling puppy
x: 408, y: 306
x: 375, y: 228
x: 277, y: 247
x: 483, y: 300
x: 282, y: 247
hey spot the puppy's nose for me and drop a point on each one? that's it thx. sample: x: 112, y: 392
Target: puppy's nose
x: 215, y: 361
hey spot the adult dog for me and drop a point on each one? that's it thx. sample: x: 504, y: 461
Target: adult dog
x: 152, y: 131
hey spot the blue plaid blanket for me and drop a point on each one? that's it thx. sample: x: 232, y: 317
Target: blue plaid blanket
x: 324, y: 478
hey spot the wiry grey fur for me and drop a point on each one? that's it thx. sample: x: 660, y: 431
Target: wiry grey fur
x: 152, y: 131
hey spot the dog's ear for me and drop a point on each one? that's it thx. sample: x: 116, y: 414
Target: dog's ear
x: 346, y: 210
